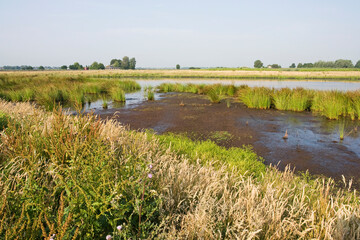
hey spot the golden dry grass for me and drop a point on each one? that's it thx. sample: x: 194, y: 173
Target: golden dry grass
x: 204, y: 202
x: 203, y: 74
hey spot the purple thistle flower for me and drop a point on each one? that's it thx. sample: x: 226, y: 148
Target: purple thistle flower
x: 119, y: 227
x: 150, y: 175
x: 108, y: 237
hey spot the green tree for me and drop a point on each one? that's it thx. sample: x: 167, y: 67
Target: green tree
x: 300, y: 65
x: 64, y: 67
x: 76, y: 66
x: 177, y: 66
x: 357, y: 65
x: 275, y: 66
x: 125, y: 63
x: 292, y: 65
x: 116, y: 64
x: 41, y: 68
x: 101, y: 66
x: 342, y: 63
x: 113, y: 61
x: 94, y: 66
x: 132, y: 63
x: 258, y: 64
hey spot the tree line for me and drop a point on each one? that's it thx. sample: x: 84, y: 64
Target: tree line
x: 340, y: 63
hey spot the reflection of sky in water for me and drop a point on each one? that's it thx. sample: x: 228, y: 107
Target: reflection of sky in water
x: 309, y: 84
x: 311, y: 134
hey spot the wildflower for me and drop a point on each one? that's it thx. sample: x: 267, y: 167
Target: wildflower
x: 150, y: 175
x: 108, y: 237
x: 150, y: 166
x: 119, y: 227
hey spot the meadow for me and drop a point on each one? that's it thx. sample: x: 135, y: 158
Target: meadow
x: 279, y: 74
x: 78, y: 177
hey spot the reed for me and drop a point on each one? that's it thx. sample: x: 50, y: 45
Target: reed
x: 118, y: 94
x: 257, y: 97
x: 81, y: 178
x: 150, y: 95
x: 213, y: 96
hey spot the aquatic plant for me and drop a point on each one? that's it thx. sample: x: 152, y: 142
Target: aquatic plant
x: 118, y: 94
x: 258, y: 97
x: 105, y: 104
x: 281, y: 98
x: 150, y: 95
x: 213, y: 96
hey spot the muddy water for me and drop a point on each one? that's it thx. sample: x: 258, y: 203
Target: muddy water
x: 313, y: 143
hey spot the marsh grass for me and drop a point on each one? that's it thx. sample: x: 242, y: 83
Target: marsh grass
x: 118, y: 94
x: 213, y: 96
x: 258, y: 97
x: 331, y: 104
x: 150, y: 95
x: 52, y: 90
x: 78, y: 177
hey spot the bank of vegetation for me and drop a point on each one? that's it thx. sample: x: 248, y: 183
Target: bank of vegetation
x: 76, y: 177
x: 52, y: 90
x: 331, y: 104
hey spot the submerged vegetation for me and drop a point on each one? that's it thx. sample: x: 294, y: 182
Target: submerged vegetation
x: 331, y: 104
x: 80, y: 178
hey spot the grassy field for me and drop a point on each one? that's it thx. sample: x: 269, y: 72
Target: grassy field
x: 328, y: 74
x: 81, y: 178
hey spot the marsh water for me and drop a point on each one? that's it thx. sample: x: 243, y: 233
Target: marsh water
x: 313, y: 144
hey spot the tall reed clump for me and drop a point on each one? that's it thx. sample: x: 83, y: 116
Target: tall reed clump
x: 150, y: 95
x: 300, y: 100
x: 4, y: 119
x: 129, y: 85
x: 331, y: 104
x: 80, y: 178
x: 353, y: 106
x: 118, y: 94
x: 258, y: 97
x: 281, y: 98
x: 213, y: 96
x: 67, y: 176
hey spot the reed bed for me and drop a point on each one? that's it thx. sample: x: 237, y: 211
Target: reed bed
x: 80, y: 178
x: 50, y: 91
x: 331, y: 104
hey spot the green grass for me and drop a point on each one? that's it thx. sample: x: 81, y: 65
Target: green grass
x: 4, y: 119
x: 150, y: 95
x: 118, y: 94
x: 81, y: 178
x: 213, y: 96
x: 258, y: 97
x: 243, y: 159
x: 53, y: 90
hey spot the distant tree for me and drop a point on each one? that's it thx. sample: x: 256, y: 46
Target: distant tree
x: 258, y: 64
x: 132, y: 63
x: 27, y: 68
x: 194, y: 68
x: 116, y: 64
x: 357, y: 65
x: 94, y: 66
x: 177, y: 66
x: 63, y: 67
x: 292, y: 65
x: 101, y: 66
x: 125, y: 63
x: 275, y: 66
x: 300, y: 65
x: 342, y: 63
x: 76, y: 66
x: 308, y: 65
x: 113, y: 61
x: 41, y: 68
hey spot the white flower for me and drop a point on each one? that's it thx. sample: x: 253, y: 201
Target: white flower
x: 108, y: 237
x: 119, y: 227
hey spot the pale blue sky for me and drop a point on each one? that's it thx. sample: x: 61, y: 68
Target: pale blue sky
x: 192, y: 33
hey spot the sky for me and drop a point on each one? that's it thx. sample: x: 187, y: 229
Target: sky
x: 161, y: 33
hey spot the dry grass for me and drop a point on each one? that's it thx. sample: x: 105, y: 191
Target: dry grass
x: 279, y: 74
x: 197, y: 201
